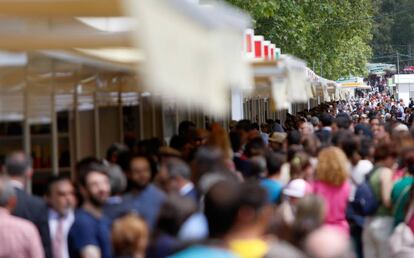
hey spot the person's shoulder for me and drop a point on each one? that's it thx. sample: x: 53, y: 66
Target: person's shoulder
x: 270, y: 183
x: 22, y: 225
x: 156, y: 192
x: 83, y: 218
x: 403, y: 182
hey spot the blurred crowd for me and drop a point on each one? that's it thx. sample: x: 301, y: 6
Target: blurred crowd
x: 332, y: 182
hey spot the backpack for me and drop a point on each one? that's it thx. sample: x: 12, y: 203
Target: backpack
x: 366, y: 202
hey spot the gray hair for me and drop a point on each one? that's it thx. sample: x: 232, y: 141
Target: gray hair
x: 314, y: 121
x: 117, y: 179
x: 17, y: 164
x: 6, y: 191
x: 177, y: 167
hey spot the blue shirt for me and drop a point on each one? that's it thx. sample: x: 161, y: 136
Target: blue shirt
x: 273, y: 189
x: 205, y: 252
x: 146, y: 203
x: 89, y: 230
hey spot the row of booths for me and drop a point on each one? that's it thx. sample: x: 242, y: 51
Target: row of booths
x: 286, y: 86
x: 77, y: 76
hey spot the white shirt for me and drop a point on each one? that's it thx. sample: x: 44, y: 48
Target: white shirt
x: 186, y: 188
x: 67, y: 223
x: 327, y: 128
x: 358, y: 174
x: 17, y: 184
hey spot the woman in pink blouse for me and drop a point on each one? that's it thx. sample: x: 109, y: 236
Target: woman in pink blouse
x: 331, y: 183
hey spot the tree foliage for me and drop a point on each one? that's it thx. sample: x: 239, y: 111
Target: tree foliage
x: 333, y: 36
x: 393, y: 31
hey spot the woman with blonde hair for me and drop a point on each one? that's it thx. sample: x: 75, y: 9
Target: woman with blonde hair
x: 331, y: 183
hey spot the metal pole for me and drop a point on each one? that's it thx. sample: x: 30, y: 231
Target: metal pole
x: 26, y: 129
x: 398, y: 63
x: 53, y: 115
x: 76, y: 122
x: 141, y: 119
x: 96, y: 124
x: 153, y: 117
x: 120, y: 114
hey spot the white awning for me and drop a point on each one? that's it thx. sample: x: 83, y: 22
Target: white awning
x: 185, y: 51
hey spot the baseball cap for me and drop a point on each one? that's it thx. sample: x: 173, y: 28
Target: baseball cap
x: 296, y: 188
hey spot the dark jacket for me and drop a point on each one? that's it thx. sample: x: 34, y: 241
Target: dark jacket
x: 34, y: 209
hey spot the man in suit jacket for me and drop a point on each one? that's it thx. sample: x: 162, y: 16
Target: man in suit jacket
x: 18, y: 168
x: 179, y: 174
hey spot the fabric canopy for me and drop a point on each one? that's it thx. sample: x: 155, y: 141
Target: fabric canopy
x: 183, y: 51
x: 194, y: 53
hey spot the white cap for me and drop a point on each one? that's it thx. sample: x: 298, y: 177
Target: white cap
x: 296, y: 188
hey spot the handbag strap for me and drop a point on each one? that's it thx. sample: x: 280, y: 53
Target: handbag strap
x: 410, y: 213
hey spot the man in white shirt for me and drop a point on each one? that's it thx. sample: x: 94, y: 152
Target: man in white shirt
x: 61, y: 200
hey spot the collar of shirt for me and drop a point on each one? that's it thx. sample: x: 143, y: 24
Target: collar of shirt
x: 186, y: 188
x: 114, y: 200
x: 53, y: 214
x: 327, y: 128
x: 17, y: 184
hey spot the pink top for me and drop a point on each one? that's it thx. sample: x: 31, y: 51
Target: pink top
x: 336, y: 199
x: 19, y: 238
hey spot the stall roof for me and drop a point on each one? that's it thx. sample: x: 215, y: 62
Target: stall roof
x: 196, y: 48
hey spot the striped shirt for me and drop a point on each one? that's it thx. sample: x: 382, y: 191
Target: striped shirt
x: 19, y: 238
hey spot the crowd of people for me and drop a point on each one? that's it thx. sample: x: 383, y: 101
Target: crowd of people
x: 332, y: 182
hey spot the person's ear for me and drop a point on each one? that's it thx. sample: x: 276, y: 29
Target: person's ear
x: 83, y: 191
x: 12, y: 203
x: 29, y: 173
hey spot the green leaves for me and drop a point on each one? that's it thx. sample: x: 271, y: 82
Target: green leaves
x: 333, y: 36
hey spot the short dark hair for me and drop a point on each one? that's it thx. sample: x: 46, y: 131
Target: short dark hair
x: 326, y: 119
x: 17, y: 163
x: 173, y: 213
x: 115, y: 148
x: 221, y: 205
x: 255, y: 126
x: 235, y: 141
x: 89, y: 168
x: 178, y: 142
x: 384, y: 150
x: 255, y: 146
x: 343, y: 121
x: 244, y: 125
x: 253, y: 196
x: 184, y: 127
x: 223, y: 201
x: 350, y: 145
x: 84, y: 163
x: 274, y: 162
x: 55, y: 179
x: 365, y: 147
x: 293, y: 137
